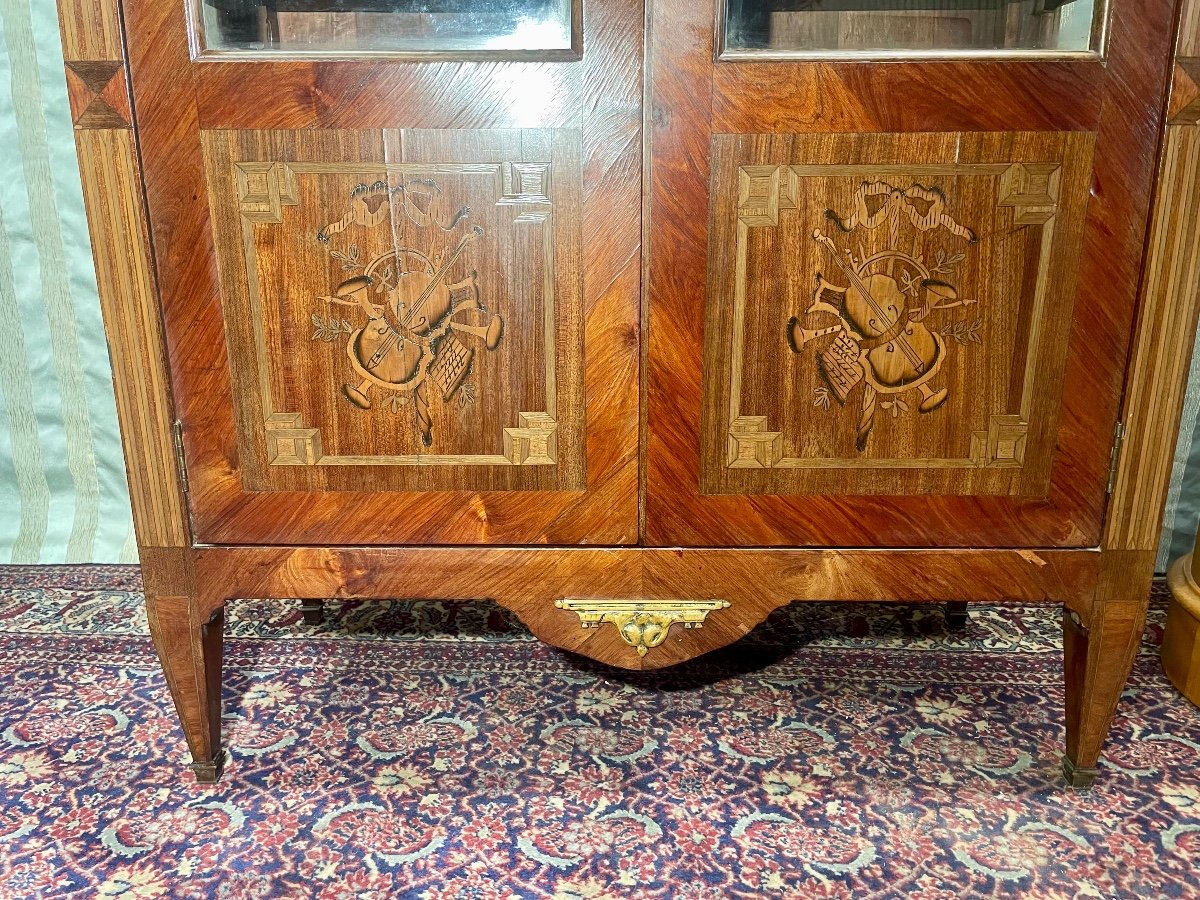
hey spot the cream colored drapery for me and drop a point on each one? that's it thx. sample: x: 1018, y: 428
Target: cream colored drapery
x: 63, y: 496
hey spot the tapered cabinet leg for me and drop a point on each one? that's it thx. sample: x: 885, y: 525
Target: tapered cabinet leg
x: 190, y: 651
x: 956, y: 614
x: 1098, y: 656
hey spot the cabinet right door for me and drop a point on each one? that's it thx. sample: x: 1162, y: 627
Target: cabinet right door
x: 894, y: 258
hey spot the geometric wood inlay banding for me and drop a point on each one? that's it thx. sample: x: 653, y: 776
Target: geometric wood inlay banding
x: 112, y: 194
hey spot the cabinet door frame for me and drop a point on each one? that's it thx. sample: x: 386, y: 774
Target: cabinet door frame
x: 695, y: 96
x: 596, y: 99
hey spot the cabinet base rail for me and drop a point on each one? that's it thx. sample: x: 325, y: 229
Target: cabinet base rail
x: 648, y: 608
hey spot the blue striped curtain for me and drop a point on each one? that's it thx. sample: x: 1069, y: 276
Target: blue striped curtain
x: 62, y: 484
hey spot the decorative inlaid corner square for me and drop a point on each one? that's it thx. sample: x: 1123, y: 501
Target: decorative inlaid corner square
x: 904, y: 314
x: 98, y: 93
x: 263, y: 189
x: 1032, y: 190
x: 525, y: 182
x: 532, y: 443
x: 763, y: 191
x: 751, y: 446
x: 1002, y: 445
x: 1185, y: 92
x: 289, y: 443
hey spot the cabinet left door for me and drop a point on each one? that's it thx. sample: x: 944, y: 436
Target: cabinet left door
x: 398, y: 254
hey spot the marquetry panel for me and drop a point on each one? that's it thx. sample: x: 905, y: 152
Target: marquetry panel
x: 402, y: 307
x: 895, y: 325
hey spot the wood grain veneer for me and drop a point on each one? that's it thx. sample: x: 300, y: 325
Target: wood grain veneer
x: 90, y: 30
x: 111, y: 194
x: 1100, y: 647
x: 529, y: 580
x: 1170, y: 301
x: 600, y: 106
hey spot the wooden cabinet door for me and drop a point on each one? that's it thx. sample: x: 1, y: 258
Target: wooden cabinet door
x: 891, y: 289
x: 398, y: 252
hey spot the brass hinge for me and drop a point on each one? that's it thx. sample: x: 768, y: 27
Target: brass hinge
x: 1115, y: 459
x: 180, y: 462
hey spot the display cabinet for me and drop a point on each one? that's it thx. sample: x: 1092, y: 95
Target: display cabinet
x: 643, y: 326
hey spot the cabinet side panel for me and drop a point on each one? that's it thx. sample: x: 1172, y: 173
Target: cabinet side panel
x: 108, y: 170
x: 98, y: 90
x: 1159, y: 362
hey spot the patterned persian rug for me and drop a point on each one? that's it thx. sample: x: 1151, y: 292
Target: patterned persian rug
x: 433, y: 750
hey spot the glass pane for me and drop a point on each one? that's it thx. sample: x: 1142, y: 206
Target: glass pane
x: 919, y: 26
x: 349, y: 26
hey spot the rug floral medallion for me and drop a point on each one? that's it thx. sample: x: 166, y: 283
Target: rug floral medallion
x: 436, y: 751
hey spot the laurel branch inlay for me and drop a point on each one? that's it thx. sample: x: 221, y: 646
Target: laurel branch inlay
x: 642, y: 624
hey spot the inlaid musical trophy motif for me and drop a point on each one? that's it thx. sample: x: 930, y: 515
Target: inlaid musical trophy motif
x: 884, y: 339
x: 414, y: 306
